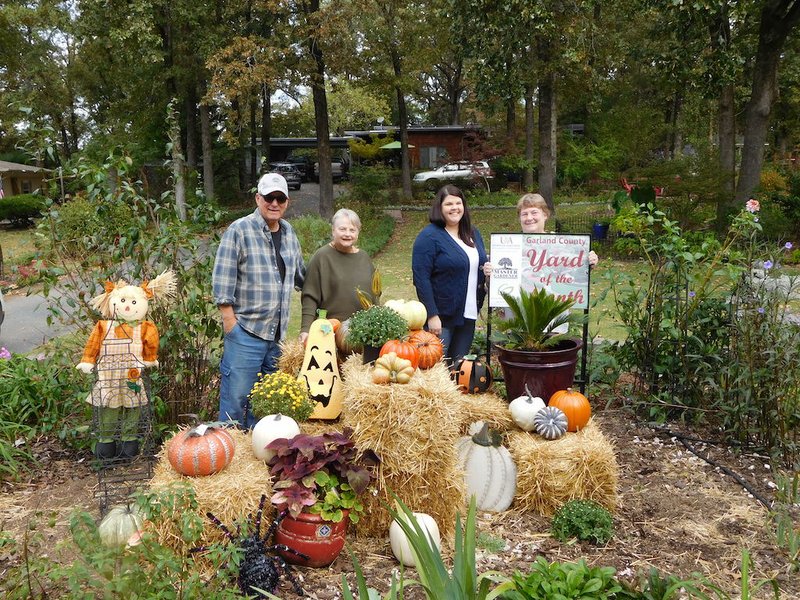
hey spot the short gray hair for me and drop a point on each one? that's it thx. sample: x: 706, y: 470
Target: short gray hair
x: 346, y: 213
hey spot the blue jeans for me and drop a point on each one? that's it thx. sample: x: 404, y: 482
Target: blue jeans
x: 457, y: 341
x: 244, y: 356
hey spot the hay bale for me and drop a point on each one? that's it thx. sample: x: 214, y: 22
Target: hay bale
x: 413, y: 428
x: 577, y: 465
x: 487, y: 407
x: 291, y: 358
x: 230, y: 495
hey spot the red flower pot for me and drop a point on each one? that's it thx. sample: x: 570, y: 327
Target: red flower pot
x: 310, y: 534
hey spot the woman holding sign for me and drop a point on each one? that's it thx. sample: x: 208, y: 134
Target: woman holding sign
x: 447, y: 264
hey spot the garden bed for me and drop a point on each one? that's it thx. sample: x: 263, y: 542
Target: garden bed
x: 676, y: 513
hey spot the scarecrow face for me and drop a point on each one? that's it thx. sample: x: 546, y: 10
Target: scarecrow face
x: 321, y: 374
x: 128, y: 303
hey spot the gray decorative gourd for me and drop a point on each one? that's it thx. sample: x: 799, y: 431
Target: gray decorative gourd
x: 551, y: 423
x: 489, y: 470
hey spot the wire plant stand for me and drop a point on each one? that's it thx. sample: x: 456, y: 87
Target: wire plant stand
x: 121, y: 412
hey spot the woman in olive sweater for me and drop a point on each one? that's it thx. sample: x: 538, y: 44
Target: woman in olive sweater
x: 334, y: 273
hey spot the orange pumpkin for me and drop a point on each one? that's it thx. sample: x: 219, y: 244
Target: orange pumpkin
x: 201, y: 450
x: 335, y: 323
x: 429, y: 346
x: 472, y: 375
x: 575, y: 405
x: 402, y: 349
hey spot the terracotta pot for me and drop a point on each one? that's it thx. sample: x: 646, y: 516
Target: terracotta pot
x: 544, y: 372
x: 310, y: 534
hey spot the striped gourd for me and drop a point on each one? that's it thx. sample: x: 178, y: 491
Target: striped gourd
x: 489, y: 470
x: 550, y: 423
x: 201, y: 450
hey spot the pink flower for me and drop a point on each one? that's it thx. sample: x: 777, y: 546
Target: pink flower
x: 752, y: 206
x: 4, y: 353
x: 788, y: 245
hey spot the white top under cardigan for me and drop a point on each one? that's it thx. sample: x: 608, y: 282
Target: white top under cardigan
x: 471, y: 305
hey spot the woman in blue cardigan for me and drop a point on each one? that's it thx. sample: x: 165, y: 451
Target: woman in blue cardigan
x: 447, y: 263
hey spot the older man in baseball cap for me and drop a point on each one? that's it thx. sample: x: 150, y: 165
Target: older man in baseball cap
x: 258, y: 263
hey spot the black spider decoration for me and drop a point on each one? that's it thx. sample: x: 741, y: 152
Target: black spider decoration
x: 261, y: 566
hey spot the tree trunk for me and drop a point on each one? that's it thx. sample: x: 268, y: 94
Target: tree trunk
x: 675, y: 140
x: 511, y: 124
x: 778, y: 18
x: 321, y: 121
x: 208, y: 150
x: 266, y: 123
x: 255, y: 168
x: 178, y: 165
x: 191, y: 129
x: 241, y: 153
x: 454, y: 93
x: 547, y: 124
x: 405, y: 163
x: 727, y: 138
x: 527, y: 177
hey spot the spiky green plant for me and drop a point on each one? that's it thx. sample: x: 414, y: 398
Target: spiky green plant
x: 534, y: 316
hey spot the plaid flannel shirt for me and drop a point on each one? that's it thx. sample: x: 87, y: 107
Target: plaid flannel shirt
x: 246, y: 275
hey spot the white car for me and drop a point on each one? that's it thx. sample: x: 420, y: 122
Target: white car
x: 457, y: 170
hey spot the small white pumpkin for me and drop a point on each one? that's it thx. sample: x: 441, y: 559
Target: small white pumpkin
x: 551, y: 423
x: 272, y: 427
x: 401, y: 548
x: 524, y: 408
x: 119, y: 525
x: 489, y: 470
x: 412, y: 311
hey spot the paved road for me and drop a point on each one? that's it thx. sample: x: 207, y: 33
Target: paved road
x: 25, y: 326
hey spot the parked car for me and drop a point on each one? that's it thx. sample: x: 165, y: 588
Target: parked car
x: 289, y: 172
x: 338, y: 169
x: 303, y: 164
x: 456, y: 170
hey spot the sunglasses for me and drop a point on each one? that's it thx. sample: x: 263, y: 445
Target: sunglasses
x: 279, y: 198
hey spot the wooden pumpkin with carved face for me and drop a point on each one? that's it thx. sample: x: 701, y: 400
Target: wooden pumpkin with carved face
x: 320, y: 370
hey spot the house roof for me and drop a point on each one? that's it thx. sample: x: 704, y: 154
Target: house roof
x: 12, y: 167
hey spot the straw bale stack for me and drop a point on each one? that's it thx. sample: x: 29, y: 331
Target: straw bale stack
x: 230, y: 495
x: 577, y: 465
x: 292, y: 354
x: 413, y: 428
x: 487, y: 407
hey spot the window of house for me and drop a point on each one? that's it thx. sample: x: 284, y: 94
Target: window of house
x: 26, y: 186
x: 431, y: 157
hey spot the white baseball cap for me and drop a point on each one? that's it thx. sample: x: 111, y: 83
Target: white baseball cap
x: 272, y: 182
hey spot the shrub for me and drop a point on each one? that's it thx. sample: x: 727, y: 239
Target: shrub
x: 21, y: 209
x: 564, y: 580
x: 84, y: 226
x: 149, y: 239
x: 313, y: 232
x: 583, y: 519
x: 41, y: 396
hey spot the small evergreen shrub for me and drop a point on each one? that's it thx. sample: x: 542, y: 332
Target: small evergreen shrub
x: 583, y: 519
x: 21, y: 209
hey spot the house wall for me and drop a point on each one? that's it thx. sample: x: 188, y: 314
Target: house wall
x: 432, y: 149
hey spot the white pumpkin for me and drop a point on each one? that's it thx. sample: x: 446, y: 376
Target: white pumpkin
x: 489, y: 470
x: 272, y: 427
x: 401, y: 548
x: 119, y: 525
x: 524, y: 409
x: 412, y: 311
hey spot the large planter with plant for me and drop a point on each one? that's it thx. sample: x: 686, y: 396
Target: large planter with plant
x: 318, y: 481
x: 370, y: 329
x: 531, y: 355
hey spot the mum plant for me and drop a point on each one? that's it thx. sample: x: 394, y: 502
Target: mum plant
x: 280, y: 393
x: 321, y: 474
x: 375, y: 326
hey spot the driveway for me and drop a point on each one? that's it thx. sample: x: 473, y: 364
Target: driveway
x: 25, y: 326
x: 306, y: 200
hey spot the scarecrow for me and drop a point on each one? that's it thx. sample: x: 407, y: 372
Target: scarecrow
x: 119, y: 348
